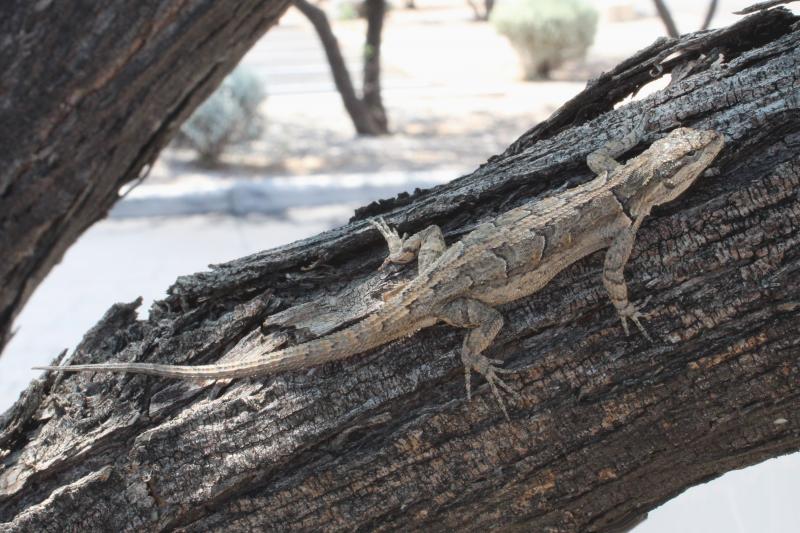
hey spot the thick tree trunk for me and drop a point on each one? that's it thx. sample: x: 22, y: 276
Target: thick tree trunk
x: 608, y: 427
x: 89, y: 94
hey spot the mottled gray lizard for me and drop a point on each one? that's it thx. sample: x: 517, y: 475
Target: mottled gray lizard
x: 501, y: 260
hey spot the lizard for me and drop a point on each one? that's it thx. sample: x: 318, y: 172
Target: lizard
x: 512, y: 256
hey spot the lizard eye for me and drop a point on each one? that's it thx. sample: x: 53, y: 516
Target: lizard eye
x: 691, y: 153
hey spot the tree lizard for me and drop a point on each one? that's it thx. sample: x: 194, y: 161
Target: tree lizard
x: 504, y: 259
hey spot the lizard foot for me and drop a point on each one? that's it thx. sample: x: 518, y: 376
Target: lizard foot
x: 393, y: 240
x: 633, y: 311
x: 488, y: 369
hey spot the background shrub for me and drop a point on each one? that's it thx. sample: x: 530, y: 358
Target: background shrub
x: 545, y: 33
x: 229, y: 116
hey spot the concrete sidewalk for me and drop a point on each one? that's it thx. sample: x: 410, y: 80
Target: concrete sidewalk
x: 211, y: 192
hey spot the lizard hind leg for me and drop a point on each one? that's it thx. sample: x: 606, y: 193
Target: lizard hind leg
x: 485, y: 323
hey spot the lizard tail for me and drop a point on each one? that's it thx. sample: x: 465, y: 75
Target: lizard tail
x: 371, y: 332
x: 168, y: 371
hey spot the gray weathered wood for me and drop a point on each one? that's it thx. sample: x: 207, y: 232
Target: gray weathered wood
x: 608, y: 428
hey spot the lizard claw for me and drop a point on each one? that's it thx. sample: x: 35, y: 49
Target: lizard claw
x: 389, y: 233
x: 488, y: 369
x: 393, y: 240
x: 633, y: 311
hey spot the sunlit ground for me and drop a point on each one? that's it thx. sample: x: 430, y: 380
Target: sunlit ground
x: 452, y: 89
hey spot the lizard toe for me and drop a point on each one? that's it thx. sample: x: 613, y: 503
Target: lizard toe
x: 489, y: 370
x: 634, y: 313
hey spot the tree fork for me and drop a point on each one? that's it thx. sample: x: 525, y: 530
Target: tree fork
x: 366, y: 113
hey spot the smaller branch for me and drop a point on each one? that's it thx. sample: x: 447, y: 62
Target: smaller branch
x: 481, y: 14
x: 354, y: 106
x: 488, y: 6
x: 666, y: 18
x: 712, y: 8
x: 761, y: 6
x: 375, y: 10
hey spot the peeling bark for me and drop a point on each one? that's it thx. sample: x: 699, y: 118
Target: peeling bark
x: 90, y: 92
x: 608, y: 427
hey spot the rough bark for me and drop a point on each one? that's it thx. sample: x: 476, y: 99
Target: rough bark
x: 367, y: 112
x: 762, y: 5
x: 89, y: 94
x: 608, y: 427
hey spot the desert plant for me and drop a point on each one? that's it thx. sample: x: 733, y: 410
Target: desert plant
x: 545, y: 33
x: 357, y: 9
x: 229, y: 116
x: 347, y: 9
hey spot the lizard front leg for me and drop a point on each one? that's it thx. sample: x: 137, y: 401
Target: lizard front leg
x: 614, y: 277
x: 486, y: 322
x: 427, y: 245
x: 604, y: 158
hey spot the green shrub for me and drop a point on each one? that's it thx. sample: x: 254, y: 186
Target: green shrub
x: 545, y: 33
x: 348, y: 9
x: 353, y: 9
x: 229, y: 116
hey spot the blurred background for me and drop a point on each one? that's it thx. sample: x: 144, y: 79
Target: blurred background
x: 402, y: 95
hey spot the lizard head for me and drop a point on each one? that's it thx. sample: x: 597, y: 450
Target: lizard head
x: 666, y: 169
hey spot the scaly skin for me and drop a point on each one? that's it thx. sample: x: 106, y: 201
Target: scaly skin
x: 502, y: 260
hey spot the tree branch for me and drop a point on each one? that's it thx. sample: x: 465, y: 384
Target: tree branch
x: 712, y: 8
x: 376, y: 10
x: 357, y: 108
x: 762, y: 5
x: 91, y: 92
x: 666, y: 18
